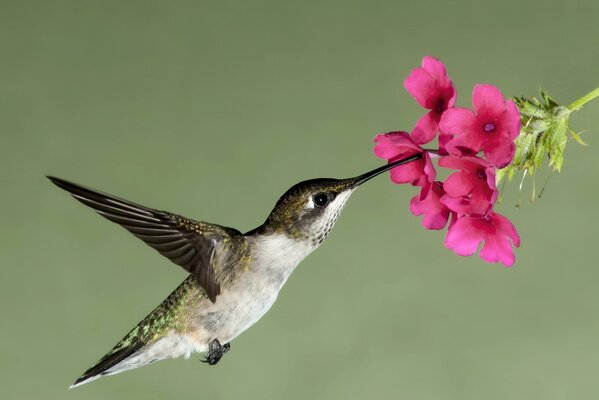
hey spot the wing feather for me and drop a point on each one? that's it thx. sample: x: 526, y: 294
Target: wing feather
x: 188, y: 243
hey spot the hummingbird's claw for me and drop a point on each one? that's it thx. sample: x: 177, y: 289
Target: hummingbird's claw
x: 215, y: 352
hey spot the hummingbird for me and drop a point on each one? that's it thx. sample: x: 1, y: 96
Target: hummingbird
x: 234, y: 278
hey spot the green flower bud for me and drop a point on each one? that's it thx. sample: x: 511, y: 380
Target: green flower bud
x: 544, y: 133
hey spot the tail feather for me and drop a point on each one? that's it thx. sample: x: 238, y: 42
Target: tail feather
x: 157, y: 337
x: 110, y: 360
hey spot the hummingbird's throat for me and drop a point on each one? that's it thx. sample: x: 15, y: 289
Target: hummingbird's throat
x: 320, y: 228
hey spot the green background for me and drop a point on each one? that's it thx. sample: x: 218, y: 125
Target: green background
x: 212, y: 110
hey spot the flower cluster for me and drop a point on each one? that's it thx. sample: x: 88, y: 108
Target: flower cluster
x: 476, y: 144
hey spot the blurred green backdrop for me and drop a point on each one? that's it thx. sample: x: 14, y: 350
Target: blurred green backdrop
x: 213, y: 109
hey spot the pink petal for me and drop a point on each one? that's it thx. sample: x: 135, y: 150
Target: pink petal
x: 512, y: 120
x: 436, y: 68
x: 463, y: 124
x: 417, y: 203
x: 436, y: 221
x: 463, y: 163
x: 497, y: 249
x: 497, y: 232
x: 463, y: 237
x: 426, y: 128
x: 403, y: 139
x: 452, y: 94
x: 492, y: 185
x: 457, y: 120
x: 506, y: 227
x: 429, y: 171
x: 428, y: 203
x: 463, y: 146
x: 423, y: 87
x: 487, y: 99
x: 452, y: 162
x: 459, y: 184
x: 489, y: 251
x: 460, y: 205
x: 384, y: 148
x: 491, y: 179
x: 484, y: 194
x: 393, y: 144
x: 446, y: 91
x: 499, y: 151
x: 408, y: 173
x: 481, y: 202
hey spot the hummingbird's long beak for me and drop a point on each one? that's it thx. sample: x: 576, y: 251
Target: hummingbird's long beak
x: 369, y: 175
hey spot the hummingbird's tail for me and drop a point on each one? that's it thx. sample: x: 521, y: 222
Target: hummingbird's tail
x: 120, y: 353
x: 159, y: 336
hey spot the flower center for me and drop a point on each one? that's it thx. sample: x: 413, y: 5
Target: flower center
x: 481, y: 174
x: 440, y: 105
x: 490, y: 127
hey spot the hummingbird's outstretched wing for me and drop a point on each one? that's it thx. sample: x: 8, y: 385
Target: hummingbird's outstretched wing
x: 188, y: 243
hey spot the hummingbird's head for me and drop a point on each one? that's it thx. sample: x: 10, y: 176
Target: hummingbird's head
x: 309, y: 209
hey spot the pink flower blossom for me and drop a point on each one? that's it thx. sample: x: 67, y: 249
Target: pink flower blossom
x: 428, y: 202
x: 465, y: 235
x: 492, y: 127
x: 393, y: 146
x: 467, y: 196
x: 432, y: 89
x: 471, y: 190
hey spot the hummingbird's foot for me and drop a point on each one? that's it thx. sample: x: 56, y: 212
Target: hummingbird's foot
x: 216, y: 351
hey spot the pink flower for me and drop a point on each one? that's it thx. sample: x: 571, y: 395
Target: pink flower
x: 464, y: 202
x: 492, y: 127
x: 471, y: 190
x: 393, y: 146
x: 428, y: 202
x: 465, y: 235
x: 432, y: 89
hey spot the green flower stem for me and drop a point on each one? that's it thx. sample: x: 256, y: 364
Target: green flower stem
x: 578, y: 104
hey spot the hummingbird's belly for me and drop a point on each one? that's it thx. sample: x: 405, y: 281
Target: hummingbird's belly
x: 237, y: 308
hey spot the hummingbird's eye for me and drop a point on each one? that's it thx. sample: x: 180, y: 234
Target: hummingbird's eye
x: 321, y: 200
